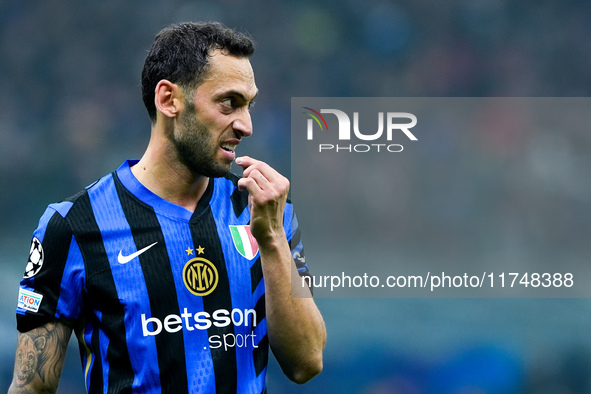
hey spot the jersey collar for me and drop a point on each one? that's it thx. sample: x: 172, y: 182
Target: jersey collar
x: 131, y: 183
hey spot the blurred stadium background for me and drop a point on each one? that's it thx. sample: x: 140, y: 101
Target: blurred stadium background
x: 70, y: 111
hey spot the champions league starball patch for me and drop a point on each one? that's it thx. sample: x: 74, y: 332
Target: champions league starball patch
x: 36, y: 257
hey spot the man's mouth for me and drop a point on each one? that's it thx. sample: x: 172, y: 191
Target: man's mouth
x: 229, y: 147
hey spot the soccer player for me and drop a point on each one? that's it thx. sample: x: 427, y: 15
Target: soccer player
x: 175, y: 275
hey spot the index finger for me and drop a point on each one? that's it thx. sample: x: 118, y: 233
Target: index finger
x: 249, y: 164
x: 246, y: 161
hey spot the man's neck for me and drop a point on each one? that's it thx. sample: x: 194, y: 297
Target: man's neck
x: 170, y: 180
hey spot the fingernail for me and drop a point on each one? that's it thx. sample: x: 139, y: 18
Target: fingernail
x: 238, y: 160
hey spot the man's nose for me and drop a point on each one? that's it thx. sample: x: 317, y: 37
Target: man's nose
x: 243, y: 123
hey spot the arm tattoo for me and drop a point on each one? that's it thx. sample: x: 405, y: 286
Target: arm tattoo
x: 40, y: 356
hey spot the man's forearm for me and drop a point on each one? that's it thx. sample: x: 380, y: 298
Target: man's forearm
x: 295, y: 327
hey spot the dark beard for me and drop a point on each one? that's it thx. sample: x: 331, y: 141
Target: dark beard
x: 194, y: 157
x: 195, y: 149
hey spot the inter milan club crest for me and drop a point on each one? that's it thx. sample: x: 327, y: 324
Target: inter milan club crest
x: 244, y: 241
x: 200, y: 276
x: 36, y: 256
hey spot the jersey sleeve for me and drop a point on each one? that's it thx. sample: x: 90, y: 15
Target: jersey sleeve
x: 53, y: 280
x: 294, y: 237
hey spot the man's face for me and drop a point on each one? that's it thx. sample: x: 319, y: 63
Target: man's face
x: 216, y: 116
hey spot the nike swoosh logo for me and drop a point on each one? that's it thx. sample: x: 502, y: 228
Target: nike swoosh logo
x: 125, y: 259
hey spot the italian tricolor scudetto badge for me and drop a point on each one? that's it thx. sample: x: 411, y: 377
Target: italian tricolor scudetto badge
x: 244, y: 241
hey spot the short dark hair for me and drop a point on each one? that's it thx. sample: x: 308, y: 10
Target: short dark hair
x: 180, y: 53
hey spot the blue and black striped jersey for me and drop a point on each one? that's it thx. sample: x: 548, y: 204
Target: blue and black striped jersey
x: 162, y: 299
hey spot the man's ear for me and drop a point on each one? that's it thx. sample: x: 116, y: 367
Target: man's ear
x: 169, y: 98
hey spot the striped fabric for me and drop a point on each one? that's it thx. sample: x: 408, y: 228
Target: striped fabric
x: 164, y: 300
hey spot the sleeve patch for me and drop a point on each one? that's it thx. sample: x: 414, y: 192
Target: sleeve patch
x: 29, y: 300
x: 36, y: 256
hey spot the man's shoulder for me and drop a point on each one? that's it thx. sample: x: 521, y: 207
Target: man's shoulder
x: 65, y: 206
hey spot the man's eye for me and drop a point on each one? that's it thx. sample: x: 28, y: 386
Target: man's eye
x: 228, y: 102
x: 251, y: 104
